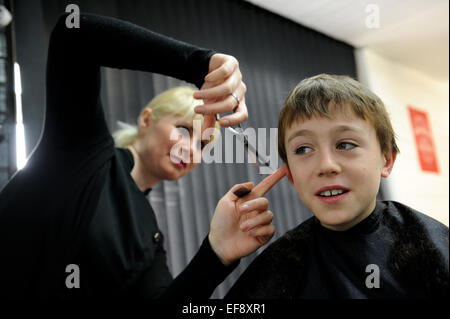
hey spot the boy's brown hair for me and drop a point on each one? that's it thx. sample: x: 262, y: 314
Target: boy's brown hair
x: 314, y: 96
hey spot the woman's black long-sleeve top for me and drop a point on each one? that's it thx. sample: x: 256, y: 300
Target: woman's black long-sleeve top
x: 75, y: 201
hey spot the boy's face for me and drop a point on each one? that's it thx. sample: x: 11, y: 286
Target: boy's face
x: 340, y: 157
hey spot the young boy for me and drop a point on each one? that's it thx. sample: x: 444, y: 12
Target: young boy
x: 336, y: 138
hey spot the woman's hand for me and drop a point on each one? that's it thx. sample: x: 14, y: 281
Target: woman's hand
x: 224, y: 78
x: 241, y: 225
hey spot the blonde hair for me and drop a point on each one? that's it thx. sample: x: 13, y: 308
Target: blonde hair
x: 176, y: 101
x: 314, y: 96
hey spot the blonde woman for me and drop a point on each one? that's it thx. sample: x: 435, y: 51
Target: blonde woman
x: 163, y: 137
x: 75, y: 221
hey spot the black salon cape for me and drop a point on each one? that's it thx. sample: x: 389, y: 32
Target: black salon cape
x: 408, y: 250
x: 46, y: 210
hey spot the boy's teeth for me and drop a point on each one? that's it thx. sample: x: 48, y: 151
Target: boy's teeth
x: 332, y: 192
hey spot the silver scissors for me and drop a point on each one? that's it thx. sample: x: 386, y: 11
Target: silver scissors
x: 249, y: 148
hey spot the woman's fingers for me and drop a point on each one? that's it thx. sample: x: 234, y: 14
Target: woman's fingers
x: 239, y: 116
x: 221, y: 66
x: 265, y: 185
x: 228, y: 104
x: 260, y: 204
x: 223, y: 78
x: 259, y: 220
x: 222, y: 82
x: 213, y: 90
x: 239, y: 189
x: 266, y: 232
x: 209, y: 121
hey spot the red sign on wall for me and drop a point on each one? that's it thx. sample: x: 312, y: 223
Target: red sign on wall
x: 424, y: 140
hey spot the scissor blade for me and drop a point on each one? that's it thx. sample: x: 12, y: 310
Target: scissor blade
x: 251, y: 149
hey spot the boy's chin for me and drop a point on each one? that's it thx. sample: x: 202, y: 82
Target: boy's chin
x: 337, y: 222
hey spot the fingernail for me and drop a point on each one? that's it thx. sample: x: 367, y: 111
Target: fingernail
x: 244, y: 208
x: 199, y: 109
x: 241, y: 191
x: 225, y: 122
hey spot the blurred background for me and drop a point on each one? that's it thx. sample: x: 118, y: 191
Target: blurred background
x: 399, y: 49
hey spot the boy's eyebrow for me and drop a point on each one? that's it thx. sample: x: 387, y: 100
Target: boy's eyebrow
x: 299, y: 133
x: 344, y: 128
x: 335, y: 130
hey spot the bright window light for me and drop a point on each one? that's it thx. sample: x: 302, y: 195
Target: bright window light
x: 21, y: 157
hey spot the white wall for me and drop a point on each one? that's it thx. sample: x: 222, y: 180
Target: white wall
x: 399, y: 86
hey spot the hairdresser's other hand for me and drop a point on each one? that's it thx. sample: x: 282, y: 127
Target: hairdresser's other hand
x: 224, y: 77
x: 241, y: 225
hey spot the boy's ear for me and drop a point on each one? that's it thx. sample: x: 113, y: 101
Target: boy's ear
x: 145, y: 118
x: 289, y: 175
x: 389, y: 160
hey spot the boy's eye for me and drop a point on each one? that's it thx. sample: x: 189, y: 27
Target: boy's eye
x: 302, y: 150
x: 345, y: 146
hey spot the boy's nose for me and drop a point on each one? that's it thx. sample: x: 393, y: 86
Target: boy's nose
x: 328, y: 164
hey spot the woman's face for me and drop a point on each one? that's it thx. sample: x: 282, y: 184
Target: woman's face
x: 167, y: 146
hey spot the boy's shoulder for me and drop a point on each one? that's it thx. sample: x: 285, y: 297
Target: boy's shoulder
x: 409, y: 226
x: 403, y: 218
x: 420, y: 249
x: 405, y: 211
x: 294, y: 239
x: 277, y: 271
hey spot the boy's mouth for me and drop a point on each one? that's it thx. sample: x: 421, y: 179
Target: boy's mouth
x: 331, y: 195
x: 331, y: 191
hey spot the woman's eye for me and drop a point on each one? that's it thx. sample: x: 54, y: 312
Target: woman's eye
x: 302, y: 150
x: 184, y: 129
x: 345, y: 146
